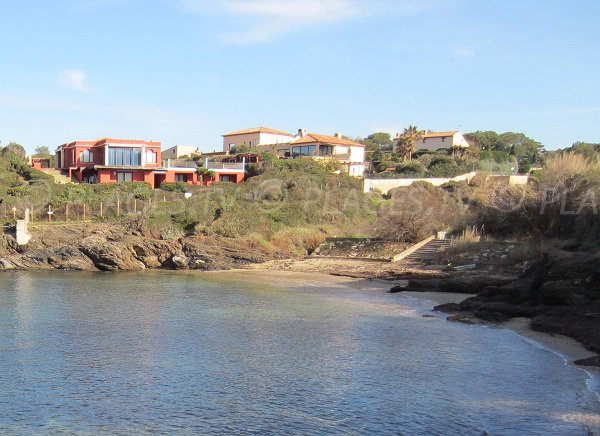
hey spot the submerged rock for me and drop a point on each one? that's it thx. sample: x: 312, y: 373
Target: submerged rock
x: 465, y: 318
x: 590, y: 361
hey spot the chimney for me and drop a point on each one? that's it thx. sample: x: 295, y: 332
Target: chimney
x: 338, y: 135
x: 301, y: 133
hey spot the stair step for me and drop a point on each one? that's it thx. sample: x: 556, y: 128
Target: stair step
x: 428, y: 251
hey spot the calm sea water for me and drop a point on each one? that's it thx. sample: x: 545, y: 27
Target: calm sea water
x: 245, y: 353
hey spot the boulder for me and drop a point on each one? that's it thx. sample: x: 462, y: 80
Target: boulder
x: 448, y: 308
x: 180, y: 262
x: 111, y: 256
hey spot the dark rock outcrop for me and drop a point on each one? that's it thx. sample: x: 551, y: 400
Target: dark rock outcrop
x: 113, y: 248
x: 464, y: 284
x: 559, y: 295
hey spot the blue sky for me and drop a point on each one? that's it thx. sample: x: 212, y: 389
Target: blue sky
x: 187, y: 71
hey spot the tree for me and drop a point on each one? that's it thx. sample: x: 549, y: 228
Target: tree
x: 239, y: 148
x: 501, y: 146
x: 407, y: 140
x: 201, y: 171
x: 42, y: 151
x: 16, y: 149
x: 375, y: 143
x: 457, y: 150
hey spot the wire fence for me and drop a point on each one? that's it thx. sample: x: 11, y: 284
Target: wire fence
x: 12, y: 209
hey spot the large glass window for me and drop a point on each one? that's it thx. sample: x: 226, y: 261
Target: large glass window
x: 124, y: 156
x: 304, y: 150
x: 181, y: 177
x: 86, y: 156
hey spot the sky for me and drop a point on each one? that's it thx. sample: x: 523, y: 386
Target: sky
x: 187, y: 71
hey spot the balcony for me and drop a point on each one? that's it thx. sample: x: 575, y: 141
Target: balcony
x: 226, y: 166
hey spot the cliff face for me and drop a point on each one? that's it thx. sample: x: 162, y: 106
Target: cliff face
x: 115, y: 247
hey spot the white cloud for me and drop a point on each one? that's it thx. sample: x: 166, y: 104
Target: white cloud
x: 266, y: 19
x: 464, y: 52
x: 75, y: 79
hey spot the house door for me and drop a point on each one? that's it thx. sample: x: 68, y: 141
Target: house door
x: 158, y: 179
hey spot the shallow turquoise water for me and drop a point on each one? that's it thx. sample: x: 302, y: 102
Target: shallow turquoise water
x: 244, y: 353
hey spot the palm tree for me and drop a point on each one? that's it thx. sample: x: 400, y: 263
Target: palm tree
x: 407, y: 140
x: 457, y: 150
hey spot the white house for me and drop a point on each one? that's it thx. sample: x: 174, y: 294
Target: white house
x: 434, y: 141
x: 349, y: 154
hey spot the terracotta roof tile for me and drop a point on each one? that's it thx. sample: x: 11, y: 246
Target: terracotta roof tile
x: 434, y: 134
x: 257, y: 130
x: 325, y: 139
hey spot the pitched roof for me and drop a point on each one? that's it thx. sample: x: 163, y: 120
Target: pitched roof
x: 434, y: 134
x: 439, y: 134
x: 257, y: 130
x: 326, y: 139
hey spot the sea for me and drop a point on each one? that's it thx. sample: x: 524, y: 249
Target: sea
x: 250, y: 352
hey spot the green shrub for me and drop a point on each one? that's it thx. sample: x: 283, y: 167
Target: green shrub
x: 411, y: 169
x: 175, y: 186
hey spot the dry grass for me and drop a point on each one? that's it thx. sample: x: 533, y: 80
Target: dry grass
x: 566, y: 165
x: 470, y: 235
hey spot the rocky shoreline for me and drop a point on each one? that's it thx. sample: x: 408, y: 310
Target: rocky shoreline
x: 111, y: 247
x: 560, y: 295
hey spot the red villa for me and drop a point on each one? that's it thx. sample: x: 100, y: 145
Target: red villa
x: 111, y: 160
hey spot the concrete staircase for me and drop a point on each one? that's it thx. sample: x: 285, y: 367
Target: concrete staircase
x: 59, y: 177
x: 428, y: 251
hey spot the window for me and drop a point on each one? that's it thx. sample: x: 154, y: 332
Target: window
x: 231, y: 146
x: 181, y: 177
x: 443, y: 138
x: 325, y: 150
x: 150, y: 156
x: 86, y: 156
x: 124, y: 177
x: 304, y: 150
x: 226, y: 178
x: 124, y: 156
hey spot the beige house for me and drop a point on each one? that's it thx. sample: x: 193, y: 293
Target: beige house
x: 434, y: 141
x: 254, y: 137
x: 180, y: 150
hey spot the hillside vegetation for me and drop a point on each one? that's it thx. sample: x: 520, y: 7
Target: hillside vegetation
x: 287, y: 206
